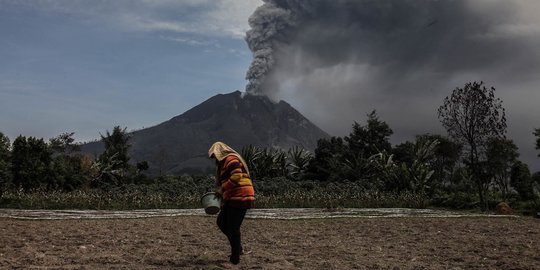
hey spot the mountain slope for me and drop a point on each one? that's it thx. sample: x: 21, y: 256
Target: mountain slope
x: 181, y: 144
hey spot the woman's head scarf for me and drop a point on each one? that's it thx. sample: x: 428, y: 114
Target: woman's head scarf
x: 220, y: 151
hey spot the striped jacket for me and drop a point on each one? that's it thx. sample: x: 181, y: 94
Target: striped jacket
x: 235, y: 183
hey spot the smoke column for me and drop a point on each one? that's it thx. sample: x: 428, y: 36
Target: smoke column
x: 268, y: 24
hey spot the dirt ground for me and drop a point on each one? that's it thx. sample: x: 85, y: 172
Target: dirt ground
x: 193, y: 242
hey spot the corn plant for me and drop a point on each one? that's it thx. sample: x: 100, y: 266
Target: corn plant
x: 251, y: 154
x: 298, y: 161
x: 265, y: 162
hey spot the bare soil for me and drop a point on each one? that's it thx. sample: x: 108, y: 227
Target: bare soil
x: 194, y: 242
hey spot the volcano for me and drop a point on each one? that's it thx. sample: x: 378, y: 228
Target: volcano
x: 180, y: 144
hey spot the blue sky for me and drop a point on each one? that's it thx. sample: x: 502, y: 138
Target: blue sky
x: 86, y: 66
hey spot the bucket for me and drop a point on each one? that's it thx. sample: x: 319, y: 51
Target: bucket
x: 211, y: 203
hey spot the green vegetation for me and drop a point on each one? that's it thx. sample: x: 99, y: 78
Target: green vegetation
x: 537, y: 134
x: 473, y: 116
x: 5, y: 163
x: 185, y: 192
x: 475, y: 167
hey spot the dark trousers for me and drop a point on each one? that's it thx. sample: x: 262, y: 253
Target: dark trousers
x: 229, y: 221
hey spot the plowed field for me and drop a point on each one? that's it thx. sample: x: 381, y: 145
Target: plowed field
x: 194, y: 242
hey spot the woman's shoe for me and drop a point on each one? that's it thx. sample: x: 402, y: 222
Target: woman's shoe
x: 234, y: 259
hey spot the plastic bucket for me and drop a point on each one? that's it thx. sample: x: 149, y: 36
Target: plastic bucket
x: 211, y: 203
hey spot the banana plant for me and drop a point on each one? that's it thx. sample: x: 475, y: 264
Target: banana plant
x: 109, y: 171
x: 420, y: 171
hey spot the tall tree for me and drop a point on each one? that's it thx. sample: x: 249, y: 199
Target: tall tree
x: 113, y: 164
x: 31, y: 164
x: 537, y: 134
x: 404, y: 152
x: 4, y: 146
x: 501, y: 155
x: 116, y: 144
x: 68, y: 172
x: 473, y: 115
x: 522, y: 181
x: 363, y: 142
x: 5, y: 163
x: 370, y: 139
x: 64, y: 143
x: 536, y: 180
x: 328, y: 159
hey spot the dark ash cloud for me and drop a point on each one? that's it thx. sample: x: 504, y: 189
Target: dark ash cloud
x: 336, y: 60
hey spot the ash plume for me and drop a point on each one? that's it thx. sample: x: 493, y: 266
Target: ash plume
x: 385, y: 34
x: 336, y: 60
x: 268, y: 24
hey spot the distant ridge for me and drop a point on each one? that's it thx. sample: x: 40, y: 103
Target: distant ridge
x: 181, y: 143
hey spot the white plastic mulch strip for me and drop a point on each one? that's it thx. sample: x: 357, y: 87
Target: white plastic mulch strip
x: 97, y: 214
x: 275, y: 213
x: 311, y: 213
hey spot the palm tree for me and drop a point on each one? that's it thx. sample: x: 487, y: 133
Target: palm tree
x: 116, y: 143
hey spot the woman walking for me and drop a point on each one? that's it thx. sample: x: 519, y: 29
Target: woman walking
x: 235, y: 186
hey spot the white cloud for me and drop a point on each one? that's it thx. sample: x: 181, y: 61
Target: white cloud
x: 133, y: 22
x: 192, y: 41
x: 219, y: 18
x: 224, y: 18
x: 234, y: 14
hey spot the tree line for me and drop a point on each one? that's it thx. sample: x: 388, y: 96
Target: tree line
x: 475, y: 156
x: 31, y: 164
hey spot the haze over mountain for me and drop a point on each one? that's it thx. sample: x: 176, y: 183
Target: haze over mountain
x: 181, y: 143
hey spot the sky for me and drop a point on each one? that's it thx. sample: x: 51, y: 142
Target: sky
x: 87, y: 66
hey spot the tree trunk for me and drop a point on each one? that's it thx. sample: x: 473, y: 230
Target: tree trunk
x: 483, y: 204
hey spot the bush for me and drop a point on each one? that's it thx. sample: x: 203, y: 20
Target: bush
x: 455, y: 200
x: 522, y: 181
x: 529, y: 208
